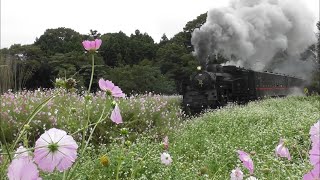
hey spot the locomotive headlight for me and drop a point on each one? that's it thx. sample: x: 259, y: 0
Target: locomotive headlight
x: 199, y: 68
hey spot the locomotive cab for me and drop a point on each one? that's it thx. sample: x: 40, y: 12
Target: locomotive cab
x: 200, y: 91
x: 215, y: 68
x: 206, y: 89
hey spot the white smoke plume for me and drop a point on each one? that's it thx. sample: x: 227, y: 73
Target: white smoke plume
x: 254, y: 31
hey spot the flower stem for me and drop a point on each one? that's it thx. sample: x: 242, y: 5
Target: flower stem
x: 92, y: 131
x: 92, y: 71
x: 121, y: 158
x: 86, y: 125
x: 84, y: 143
x: 119, y: 166
x: 30, y: 118
x: 64, y: 175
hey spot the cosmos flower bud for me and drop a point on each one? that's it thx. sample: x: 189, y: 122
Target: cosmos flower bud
x: 113, y: 104
x: 282, y: 151
x: 203, y: 170
x: 128, y: 143
x: 60, y: 83
x: 116, y: 115
x: 71, y: 83
x: 88, y: 97
x: 124, y: 131
x: 166, y: 143
x: 104, y: 160
x: 73, y: 110
x: 27, y: 127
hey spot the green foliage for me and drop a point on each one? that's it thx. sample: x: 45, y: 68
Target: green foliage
x: 59, y: 40
x: 141, y: 47
x: 21, y: 65
x: 176, y: 63
x: 164, y: 39
x: 118, y: 49
x: 196, y: 23
x: 115, y: 49
x: 132, y: 81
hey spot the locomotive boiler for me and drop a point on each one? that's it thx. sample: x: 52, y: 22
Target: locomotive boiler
x: 217, y: 85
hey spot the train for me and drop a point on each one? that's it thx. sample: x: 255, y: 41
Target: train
x: 217, y: 85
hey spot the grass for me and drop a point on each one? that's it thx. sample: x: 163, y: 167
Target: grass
x: 203, y: 147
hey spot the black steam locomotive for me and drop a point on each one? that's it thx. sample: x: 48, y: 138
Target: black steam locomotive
x: 217, y: 85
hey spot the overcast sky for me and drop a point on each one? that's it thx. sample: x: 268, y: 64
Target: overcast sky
x: 24, y: 20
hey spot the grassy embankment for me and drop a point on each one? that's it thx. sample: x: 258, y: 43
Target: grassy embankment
x: 205, y: 147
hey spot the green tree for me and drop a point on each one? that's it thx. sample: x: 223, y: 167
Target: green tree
x: 60, y: 40
x: 164, y: 40
x: 115, y: 49
x: 26, y: 64
x: 132, y: 80
x: 196, y: 23
x: 183, y: 38
x: 142, y: 46
x: 176, y: 63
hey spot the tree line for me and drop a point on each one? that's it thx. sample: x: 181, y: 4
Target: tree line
x: 136, y: 63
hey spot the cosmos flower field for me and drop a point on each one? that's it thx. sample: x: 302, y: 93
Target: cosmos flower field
x: 203, y: 147
x: 62, y: 134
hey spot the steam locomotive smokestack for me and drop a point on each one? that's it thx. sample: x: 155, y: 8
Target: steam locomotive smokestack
x: 254, y: 31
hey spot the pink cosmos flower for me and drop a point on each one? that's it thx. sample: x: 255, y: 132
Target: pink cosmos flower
x: 315, y: 154
x: 166, y: 158
x: 166, y: 143
x: 110, y: 88
x: 92, y: 45
x: 55, y: 150
x: 22, y: 167
x: 116, y: 115
x: 282, y: 151
x: 236, y: 174
x: 315, y: 133
x: 313, y: 174
x: 246, y: 160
